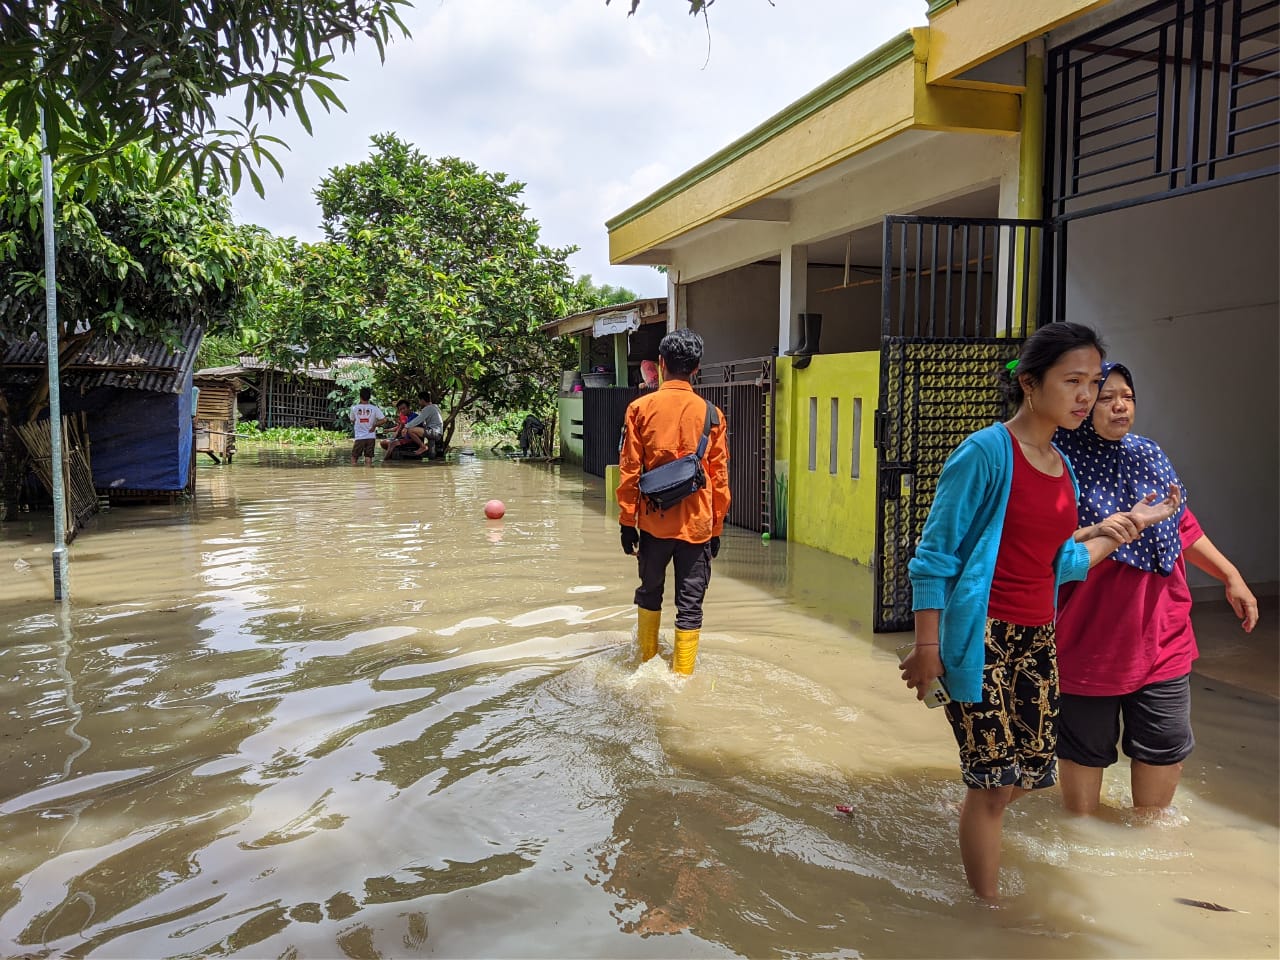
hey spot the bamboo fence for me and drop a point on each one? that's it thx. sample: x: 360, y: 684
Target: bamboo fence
x: 77, y: 471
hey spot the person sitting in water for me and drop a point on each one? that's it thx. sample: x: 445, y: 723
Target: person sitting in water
x: 427, y: 427
x: 403, y: 442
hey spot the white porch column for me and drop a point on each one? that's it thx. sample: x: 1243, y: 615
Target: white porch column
x: 677, y: 301
x: 793, y: 294
x: 1010, y: 183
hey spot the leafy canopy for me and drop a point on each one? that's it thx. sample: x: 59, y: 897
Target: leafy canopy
x: 586, y: 295
x: 136, y: 257
x: 433, y: 269
x: 115, y: 72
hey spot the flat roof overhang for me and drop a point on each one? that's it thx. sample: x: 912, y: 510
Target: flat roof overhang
x: 965, y: 35
x: 882, y: 96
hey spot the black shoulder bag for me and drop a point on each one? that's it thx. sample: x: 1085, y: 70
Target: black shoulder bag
x: 665, y: 486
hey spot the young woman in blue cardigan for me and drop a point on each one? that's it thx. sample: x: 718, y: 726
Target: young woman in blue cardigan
x: 1000, y: 538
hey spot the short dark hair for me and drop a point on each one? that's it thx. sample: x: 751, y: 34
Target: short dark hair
x: 1041, y: 351
x: 424, y: 397
x: 366, y: 394
x: 403, y: 403
x: 681, y: 350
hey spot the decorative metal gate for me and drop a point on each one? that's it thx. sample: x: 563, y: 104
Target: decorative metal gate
x: 958, y: 297
x: 743, y: 389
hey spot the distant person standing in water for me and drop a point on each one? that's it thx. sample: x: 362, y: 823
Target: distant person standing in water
x: 1125, y: 643
x: 1000, y: 538
x: 366, y: 417
x: 660, y: 427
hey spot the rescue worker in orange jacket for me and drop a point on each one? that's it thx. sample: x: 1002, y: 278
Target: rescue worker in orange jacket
x: 662, y: 426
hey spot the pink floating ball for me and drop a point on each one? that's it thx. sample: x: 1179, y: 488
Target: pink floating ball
x: 495, y: 509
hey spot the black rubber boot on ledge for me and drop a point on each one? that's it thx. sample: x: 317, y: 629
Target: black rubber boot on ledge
x: 812, y: 333
x: 799, y: 348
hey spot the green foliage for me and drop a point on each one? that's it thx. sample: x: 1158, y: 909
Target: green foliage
x: 110, y: 73
x: 348, y: 379
x: 248, y: 431
x: 492, y: 431
x: 140, y: 257
x: 433, y: 270
x: 585, y: 295
x: 219, y: 350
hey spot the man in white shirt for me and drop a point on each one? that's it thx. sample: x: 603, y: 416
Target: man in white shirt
x: 367, y: 416
x: 427, y: 425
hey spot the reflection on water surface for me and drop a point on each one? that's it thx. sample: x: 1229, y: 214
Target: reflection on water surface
x: 331, y: 711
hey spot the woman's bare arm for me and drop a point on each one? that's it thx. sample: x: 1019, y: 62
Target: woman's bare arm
x: 1204, y: 555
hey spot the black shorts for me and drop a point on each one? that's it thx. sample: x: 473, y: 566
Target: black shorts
x: 1008, y: 739
x: 363, y: 448
x: 1157, y: 726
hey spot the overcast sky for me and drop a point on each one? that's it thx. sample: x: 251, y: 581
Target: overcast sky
x: 593, y: 110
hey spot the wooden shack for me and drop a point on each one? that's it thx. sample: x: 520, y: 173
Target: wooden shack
x: 216, y: 415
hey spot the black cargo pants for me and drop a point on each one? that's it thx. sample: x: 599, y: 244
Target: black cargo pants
x: 693, y: 574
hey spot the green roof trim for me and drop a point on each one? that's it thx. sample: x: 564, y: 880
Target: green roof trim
x: 936, y: 5
x: 872, y: 65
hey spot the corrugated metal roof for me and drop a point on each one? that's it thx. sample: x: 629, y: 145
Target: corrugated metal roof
x: 313, y: 371
x: 221, y: 373
x: 651, y: 310
x: 103, y: 362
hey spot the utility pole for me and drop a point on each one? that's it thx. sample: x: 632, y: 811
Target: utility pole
x: 55, y: 380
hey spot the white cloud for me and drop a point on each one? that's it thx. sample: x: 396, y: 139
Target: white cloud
x: 591, y: 109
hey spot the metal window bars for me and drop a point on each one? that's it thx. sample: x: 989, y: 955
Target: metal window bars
x: 1172, y: 98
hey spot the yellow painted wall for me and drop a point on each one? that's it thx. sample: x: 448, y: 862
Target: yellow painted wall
x: 863, y: 117
x: 969, y: 33
x: 832, y: 512
x: 612, y: 477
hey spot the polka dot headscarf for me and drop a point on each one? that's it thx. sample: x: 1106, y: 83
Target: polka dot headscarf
x: 1116, y: 474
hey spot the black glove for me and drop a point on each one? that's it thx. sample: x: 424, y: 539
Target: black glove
x: 630, y: 539
x: 715, y: 547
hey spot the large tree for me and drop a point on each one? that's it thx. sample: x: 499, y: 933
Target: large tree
x: 137, y: 258
x: 433, y: 269
x: 110, y: 73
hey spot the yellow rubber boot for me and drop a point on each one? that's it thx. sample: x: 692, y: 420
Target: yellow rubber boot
x: 686, y: 651
x: 647, y: 632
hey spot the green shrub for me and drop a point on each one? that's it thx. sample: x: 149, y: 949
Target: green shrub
x: 248, y: 431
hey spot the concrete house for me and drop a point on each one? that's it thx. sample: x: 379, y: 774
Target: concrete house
x: 1009, y: 164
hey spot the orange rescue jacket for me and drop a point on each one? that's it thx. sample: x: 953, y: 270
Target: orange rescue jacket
x: 662, y: 426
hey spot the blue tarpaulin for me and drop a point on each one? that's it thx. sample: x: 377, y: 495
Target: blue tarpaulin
x: 140, y: 440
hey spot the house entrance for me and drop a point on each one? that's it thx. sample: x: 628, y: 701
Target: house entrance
x: 958, y: 297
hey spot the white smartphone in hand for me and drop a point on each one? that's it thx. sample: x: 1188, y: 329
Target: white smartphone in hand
x: 935, y: 695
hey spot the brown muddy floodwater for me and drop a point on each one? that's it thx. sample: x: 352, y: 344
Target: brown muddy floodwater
x: 325, y: 711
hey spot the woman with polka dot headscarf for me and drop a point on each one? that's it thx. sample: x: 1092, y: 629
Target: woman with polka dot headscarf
x: 1125, y: 643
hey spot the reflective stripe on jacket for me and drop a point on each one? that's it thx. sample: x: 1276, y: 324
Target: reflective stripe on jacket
x: 662, y: 426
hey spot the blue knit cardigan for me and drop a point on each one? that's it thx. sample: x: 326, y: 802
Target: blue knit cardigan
x: 956, y: 557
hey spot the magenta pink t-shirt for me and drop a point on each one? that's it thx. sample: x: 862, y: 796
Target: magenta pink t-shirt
x: 1124, y: 628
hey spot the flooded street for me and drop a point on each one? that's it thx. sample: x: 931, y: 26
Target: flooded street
x: 325, y: 711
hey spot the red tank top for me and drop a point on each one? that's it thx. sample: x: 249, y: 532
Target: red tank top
x: 1040, y: 517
